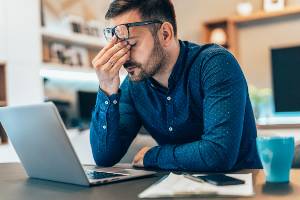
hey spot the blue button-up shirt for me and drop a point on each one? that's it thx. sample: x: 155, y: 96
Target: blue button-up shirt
x: 203, y: 121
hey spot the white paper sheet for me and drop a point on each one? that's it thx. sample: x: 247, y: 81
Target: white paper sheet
x: 178, y: 186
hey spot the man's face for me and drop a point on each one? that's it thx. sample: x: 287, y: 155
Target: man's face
x: 147, y: 57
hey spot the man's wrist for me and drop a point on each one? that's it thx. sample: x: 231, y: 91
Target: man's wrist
x: 108, y: 92
x: 104, y: 101
x: 150, y: 158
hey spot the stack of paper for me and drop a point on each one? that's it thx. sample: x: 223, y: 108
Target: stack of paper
x: 178, y: 186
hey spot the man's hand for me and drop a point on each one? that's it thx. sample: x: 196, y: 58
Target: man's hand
x: 139, y: 157
x: 108, y: 63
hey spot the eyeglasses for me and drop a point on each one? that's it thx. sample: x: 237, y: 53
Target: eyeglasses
x: 122, y: 31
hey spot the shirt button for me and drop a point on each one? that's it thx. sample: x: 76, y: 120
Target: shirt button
x: 170, y: 128
x: 169, y: 98
x: 104, y: 127
x: 115, y: 102
x: 106, y: 102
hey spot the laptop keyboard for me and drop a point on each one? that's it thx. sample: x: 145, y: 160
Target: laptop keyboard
x: 101, y: 175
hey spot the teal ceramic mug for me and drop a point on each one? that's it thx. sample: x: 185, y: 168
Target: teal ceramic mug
x: 276, y: 154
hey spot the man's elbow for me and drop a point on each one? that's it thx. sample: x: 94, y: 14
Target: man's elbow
x: 226, y: 165
x: 105, y: 161
x: 105, y: 158
x: 221, y: 164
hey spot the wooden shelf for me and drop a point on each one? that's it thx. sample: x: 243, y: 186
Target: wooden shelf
x: 261, y: 15
x: 230, y: 25
x: 256, y: 16
x: 72, y: 38
x: 67, y: 68
x: 2, y: 84
x: 213, y: 22
x: 57, y: 66
x: 66, y: 72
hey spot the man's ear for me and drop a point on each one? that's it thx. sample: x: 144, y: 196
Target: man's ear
x: 166, y: 33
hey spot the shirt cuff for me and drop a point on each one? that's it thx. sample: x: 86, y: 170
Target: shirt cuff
x: 104, y: 101
x: 150, y: 158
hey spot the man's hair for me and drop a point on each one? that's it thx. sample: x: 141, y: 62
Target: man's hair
x: 162, y: 10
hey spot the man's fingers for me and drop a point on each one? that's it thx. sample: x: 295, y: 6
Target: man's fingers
x: 120, y: 63
x: 112, y: 69
x: 105, y: 49
x: 137, y: 157
x: 111, y: 43
x: 119, y: 54
x: 111, y: 62
x: 112, y: 51
x: 115, y: 58
x: 103, y: 59
x: 116, y: 68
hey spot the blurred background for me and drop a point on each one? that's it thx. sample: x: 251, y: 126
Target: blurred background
x: 46, y: 48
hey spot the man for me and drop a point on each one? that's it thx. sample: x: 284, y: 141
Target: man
x: 192, y: 99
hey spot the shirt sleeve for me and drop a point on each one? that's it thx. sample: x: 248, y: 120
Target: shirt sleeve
x: 225, y: 91
x: 114, y: 125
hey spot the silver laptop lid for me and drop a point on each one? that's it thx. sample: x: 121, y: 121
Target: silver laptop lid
x: 39, y: 138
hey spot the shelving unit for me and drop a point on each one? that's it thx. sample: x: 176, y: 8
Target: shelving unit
x: 54, y: 66
x: 83, y: 47
x: 3, y: 101
x: 72, y: 38
x: 230, y: 25
x: 261, y: 15
x: 65, y: 72
x: 74, y: 73
x: 92, y: 45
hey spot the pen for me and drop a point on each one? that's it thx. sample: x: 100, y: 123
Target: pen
x: 193, y: 178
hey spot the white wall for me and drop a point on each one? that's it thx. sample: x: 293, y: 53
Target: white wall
x: 23, y: 51
x: 2, y: 31
x: 255, y: 42
x: 255, y: 39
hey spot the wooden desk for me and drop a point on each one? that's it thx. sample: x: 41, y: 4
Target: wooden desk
x: 14, y: 185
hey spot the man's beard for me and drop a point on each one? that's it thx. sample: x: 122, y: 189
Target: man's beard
x: 156, y: 62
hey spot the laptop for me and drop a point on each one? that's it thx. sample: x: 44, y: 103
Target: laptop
x: 43, y: 146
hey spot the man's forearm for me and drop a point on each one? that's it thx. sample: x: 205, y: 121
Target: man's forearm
x: 104, y: 139
x: 114, y: 125
x: 196, y: 156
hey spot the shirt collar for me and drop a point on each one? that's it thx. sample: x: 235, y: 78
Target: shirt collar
x: 179, y: 65
x: 176, y: 71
